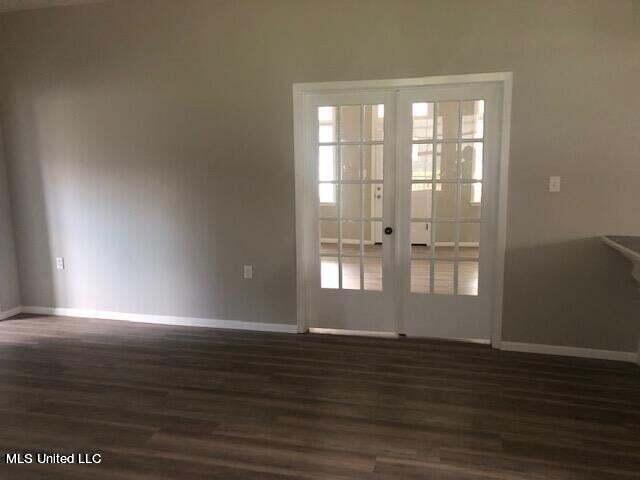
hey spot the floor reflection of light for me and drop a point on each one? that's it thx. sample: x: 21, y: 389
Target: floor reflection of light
x: 329, y: 272
x: 444, y: 276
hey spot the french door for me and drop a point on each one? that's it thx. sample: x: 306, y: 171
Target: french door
x: 351, y: 140
x: 400, y: 209
x: 448, y: 158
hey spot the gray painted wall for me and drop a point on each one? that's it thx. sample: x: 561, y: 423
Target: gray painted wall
x: 9, y: 292
x: 151, y: 143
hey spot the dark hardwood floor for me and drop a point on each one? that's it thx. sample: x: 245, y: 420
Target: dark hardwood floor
x: 163, y: 402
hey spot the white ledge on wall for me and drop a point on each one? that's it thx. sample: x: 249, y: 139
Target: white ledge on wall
x: 569, y: 351
x: 629, y: 246
x: 163, y: 319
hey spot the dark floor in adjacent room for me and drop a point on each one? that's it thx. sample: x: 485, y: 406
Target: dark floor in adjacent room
x: 164, y: 402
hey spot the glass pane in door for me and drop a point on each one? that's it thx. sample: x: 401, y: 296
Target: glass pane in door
x: 327, y: 124
x: 445, y: 212
x: 329, y: 271
x: 422, y: 121
x: 350, y: 193
x: 373, y: 162
x: 473, y: 119
x: 373, y: 274
x: 351, y: 156
x: 351, y: 273
x: 372, y: 238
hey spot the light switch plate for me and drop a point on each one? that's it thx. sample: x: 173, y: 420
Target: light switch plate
x: 60, y: 263
x: 554, y: 184
x: 247, y: 272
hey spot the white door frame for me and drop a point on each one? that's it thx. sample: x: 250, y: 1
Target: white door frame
x: 304, y: 177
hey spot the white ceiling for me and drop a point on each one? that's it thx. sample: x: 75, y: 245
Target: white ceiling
x: 9, y: 5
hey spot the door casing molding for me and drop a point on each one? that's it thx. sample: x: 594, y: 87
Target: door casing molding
x: 303, y: 209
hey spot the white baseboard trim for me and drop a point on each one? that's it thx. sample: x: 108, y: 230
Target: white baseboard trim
x: 633, y: 357
x: 10, y: 313
x: 569, y: 351
x: 163, y: 319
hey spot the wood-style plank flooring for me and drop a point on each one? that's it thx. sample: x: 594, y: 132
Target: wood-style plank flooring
x: 163, y: 402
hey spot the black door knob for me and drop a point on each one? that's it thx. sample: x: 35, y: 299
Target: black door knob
x: 388, y: 231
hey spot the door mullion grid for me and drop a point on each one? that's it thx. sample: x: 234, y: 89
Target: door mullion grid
x: 456, y: 245
x: 434, y: 162
x: 361, y: 197
x: 339, y: 195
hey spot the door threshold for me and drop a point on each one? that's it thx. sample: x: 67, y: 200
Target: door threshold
x: 353, y: 333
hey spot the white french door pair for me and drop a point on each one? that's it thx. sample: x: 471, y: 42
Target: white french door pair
x: 399, y: 208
